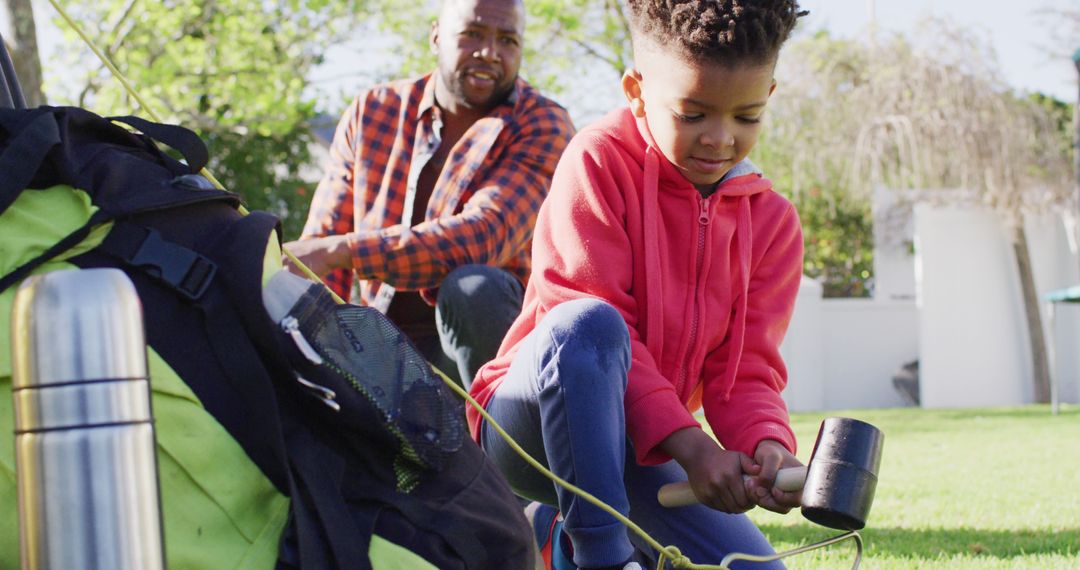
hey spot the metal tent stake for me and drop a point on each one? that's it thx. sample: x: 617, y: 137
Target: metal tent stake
x: 854, y: 535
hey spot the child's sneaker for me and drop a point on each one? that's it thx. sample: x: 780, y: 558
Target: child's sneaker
x: 554, y: 551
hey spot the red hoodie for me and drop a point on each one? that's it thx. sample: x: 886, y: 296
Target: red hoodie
x: 706, y: 286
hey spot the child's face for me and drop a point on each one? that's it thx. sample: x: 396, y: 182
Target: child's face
x: 704, y: 118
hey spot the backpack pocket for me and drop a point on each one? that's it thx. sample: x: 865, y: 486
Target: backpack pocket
x: 367, y: 375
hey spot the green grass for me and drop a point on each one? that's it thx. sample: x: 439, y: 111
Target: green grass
x: 958, y: 489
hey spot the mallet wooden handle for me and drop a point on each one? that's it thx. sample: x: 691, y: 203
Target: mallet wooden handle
x: 680, y: 494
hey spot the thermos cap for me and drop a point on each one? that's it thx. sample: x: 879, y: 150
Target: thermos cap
x: 86, y: 326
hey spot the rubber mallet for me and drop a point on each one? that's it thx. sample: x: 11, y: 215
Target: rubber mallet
x: 839, y: 483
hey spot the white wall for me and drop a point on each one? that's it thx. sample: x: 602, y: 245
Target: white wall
x: 966, y: 324
x: 974, y: 347
x: 894, y: 233
x: 803, y: 350
x: 866, y: 342
x: 842, y: 353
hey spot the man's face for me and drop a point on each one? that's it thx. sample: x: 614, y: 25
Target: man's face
x: 703, y: 117
x: 479, y: 48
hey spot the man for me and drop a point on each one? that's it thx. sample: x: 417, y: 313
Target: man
x: 433, y: 187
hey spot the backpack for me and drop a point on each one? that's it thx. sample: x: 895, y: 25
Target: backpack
x: 331, y: 402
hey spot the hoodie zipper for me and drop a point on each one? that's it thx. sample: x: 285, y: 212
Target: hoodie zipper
x: 703, y: 226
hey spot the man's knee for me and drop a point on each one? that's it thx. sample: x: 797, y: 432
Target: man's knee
x: 469, y: 285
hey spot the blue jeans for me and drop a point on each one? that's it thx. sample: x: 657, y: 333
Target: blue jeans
x: 475, y: 307
x: 562, y: 400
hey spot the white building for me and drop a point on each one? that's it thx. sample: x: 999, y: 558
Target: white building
x: 953, y: 303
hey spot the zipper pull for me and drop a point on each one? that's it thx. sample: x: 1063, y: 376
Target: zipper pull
x: 321, y: 392
x: 703, y: 213
x: 292, y: 326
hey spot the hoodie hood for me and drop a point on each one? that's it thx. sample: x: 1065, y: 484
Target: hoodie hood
x: 741, y: 182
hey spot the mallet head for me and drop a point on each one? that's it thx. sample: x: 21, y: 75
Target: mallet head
x: 842, y: 474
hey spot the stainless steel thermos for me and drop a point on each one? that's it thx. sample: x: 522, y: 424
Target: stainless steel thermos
x: 84, y: 435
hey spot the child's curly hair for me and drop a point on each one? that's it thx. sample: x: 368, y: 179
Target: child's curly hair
x: 725, y: 31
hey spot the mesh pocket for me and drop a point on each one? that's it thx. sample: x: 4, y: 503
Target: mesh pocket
x: 381, y: 363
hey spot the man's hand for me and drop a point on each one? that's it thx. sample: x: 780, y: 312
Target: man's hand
x: 320, y: 255
x: 770, y: 457
x: 715, y: 475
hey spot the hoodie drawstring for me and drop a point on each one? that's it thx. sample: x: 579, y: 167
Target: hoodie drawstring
x: 650, y: 205
x: 743, y: 231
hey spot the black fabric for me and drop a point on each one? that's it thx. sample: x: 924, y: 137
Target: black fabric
x: 188, y: 143
x: 197, y: 265
x: 28, y: 143
x: 461, y: 515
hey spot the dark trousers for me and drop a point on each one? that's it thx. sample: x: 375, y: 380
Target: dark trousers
x: 475, y: 307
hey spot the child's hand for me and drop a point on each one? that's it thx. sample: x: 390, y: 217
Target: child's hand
x: 770, y: 457
x: 715, y: 475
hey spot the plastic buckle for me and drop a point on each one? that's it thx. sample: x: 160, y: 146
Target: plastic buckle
x: 185, y: 270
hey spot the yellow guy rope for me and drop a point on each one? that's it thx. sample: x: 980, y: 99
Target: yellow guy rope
x: 666, y: 552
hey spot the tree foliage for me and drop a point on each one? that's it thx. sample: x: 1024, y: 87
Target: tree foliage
x: 894, y: 113
x: 233, y: 70
x: 939, y: 122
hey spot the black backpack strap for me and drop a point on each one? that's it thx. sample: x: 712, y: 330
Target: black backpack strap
x: 183, y: 269
x: 203, y: 339
x: 326, y: 529
x: 187, y: 142
x: 24, y: 154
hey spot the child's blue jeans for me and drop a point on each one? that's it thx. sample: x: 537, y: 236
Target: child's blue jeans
x: 562, y: 400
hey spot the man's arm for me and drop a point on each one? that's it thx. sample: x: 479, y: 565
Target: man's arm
x: 331, y: 211
x: 495, y: 223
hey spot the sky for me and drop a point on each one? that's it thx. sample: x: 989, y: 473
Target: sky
x: 1016, y: 29
x: 1018, y: 35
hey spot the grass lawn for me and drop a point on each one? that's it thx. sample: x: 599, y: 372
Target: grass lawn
x: 958, y: 489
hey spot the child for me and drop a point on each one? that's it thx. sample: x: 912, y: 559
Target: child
x: 665, y: 270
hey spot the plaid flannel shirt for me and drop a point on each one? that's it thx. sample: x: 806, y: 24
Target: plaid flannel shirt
x: 482, y: 208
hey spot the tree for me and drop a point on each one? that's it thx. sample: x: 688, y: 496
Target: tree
x: 1063, y: 25
x: 21, y: 42
x: 806, y: 149
x: 233, y: 70
x: 948, y: 121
